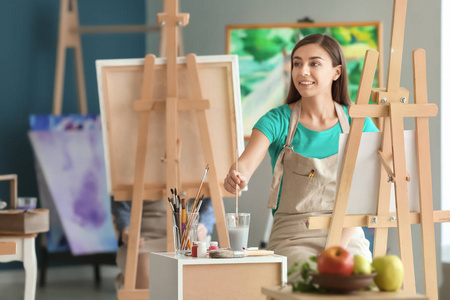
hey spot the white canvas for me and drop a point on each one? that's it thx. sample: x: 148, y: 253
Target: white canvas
x: 364, y: 188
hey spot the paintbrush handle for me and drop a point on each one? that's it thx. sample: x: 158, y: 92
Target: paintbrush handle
x: 237, y: 186
x: 185, y: 238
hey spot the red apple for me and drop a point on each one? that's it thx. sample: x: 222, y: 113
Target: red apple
x: 335, y: 260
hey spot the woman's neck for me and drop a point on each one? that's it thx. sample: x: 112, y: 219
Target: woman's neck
x: 318, y: 114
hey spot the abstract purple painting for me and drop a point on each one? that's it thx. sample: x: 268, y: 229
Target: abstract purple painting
x: 71, y: 161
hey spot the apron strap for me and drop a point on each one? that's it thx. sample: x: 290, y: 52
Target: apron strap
x: 278, y: 170
x: 276, y: 179
x: 343, y: 120
x: 293, y: 122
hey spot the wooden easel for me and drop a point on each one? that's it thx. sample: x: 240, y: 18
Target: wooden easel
x: 171, y: 19
x: 69, y: 36
x: 392, y: 107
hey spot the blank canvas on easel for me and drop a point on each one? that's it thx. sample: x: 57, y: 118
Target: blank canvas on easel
x: 364, y: 189
x: 120, y: 85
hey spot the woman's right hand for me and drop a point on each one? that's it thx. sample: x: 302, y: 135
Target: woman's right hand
x: 234, y: 178
x: 250, y: 159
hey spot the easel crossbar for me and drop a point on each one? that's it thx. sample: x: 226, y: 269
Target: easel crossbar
x: 382, y: 110
x: 155, y: 191
x: 323, y: 222
x: 160, y: 105
x: 114, y: 29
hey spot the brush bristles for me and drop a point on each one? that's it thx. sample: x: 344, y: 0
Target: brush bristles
x: 226, y: 254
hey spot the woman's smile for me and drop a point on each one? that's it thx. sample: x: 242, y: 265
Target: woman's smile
x: 306, y: 82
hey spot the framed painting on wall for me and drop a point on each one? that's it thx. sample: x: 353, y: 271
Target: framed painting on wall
x: 264, y: 59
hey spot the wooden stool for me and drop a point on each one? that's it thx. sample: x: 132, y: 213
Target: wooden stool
x: 21, y: 248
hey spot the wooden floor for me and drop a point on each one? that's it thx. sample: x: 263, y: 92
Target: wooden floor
x: 68, y: 283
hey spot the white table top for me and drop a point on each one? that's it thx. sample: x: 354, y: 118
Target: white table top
x: 189, y: 260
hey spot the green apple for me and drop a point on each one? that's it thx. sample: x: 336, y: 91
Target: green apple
x: 389, y: 270
x: 361, y: 265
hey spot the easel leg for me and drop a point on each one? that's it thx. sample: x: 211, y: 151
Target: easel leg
x: 219, y: 211
x: 68, y: 37
x: 173, y: 165
x: 401, y: 196
x: 80, y: 78
x: 351, y: 152
x: 216, y: 196
x: 60, y: 61
x: 138, y: 187
x: 384, y: 193
x: 425, y: 186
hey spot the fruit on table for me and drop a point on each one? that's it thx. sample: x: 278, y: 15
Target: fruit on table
x: 389, y: 270
x: 361, y: 265
x: 335, y: 260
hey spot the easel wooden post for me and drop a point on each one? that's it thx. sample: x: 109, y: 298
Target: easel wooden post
x: 69, y: 36
x: 171, y: 19
x: 392, y: 107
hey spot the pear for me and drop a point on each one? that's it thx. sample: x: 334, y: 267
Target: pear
x: 389, y: 270
x: 361, y: 265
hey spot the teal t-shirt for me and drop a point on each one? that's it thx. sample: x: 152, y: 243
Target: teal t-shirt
x: 306, y: 142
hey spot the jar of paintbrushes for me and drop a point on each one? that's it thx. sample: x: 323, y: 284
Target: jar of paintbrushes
x: 184, y: 221
x: 185, y: 218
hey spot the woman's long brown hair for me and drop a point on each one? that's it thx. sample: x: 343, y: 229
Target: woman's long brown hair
x: 339, y: 88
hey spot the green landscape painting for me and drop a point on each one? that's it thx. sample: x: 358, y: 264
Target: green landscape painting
x: 264, y: 59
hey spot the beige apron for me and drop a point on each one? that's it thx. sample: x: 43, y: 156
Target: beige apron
x: 308, y: 189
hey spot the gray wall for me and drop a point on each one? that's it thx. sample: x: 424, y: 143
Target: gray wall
x: 205, y: 35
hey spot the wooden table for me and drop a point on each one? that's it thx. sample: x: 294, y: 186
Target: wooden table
x: 182, y: 277
x: 285, y: 293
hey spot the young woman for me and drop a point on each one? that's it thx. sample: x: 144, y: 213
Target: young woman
x: 302, y: 138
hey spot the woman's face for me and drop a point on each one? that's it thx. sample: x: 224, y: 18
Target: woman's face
x: 313, y: 72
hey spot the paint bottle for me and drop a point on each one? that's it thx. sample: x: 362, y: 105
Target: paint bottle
x: 213, y: 246
x: 194, y: 249
x: 201, y: 249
